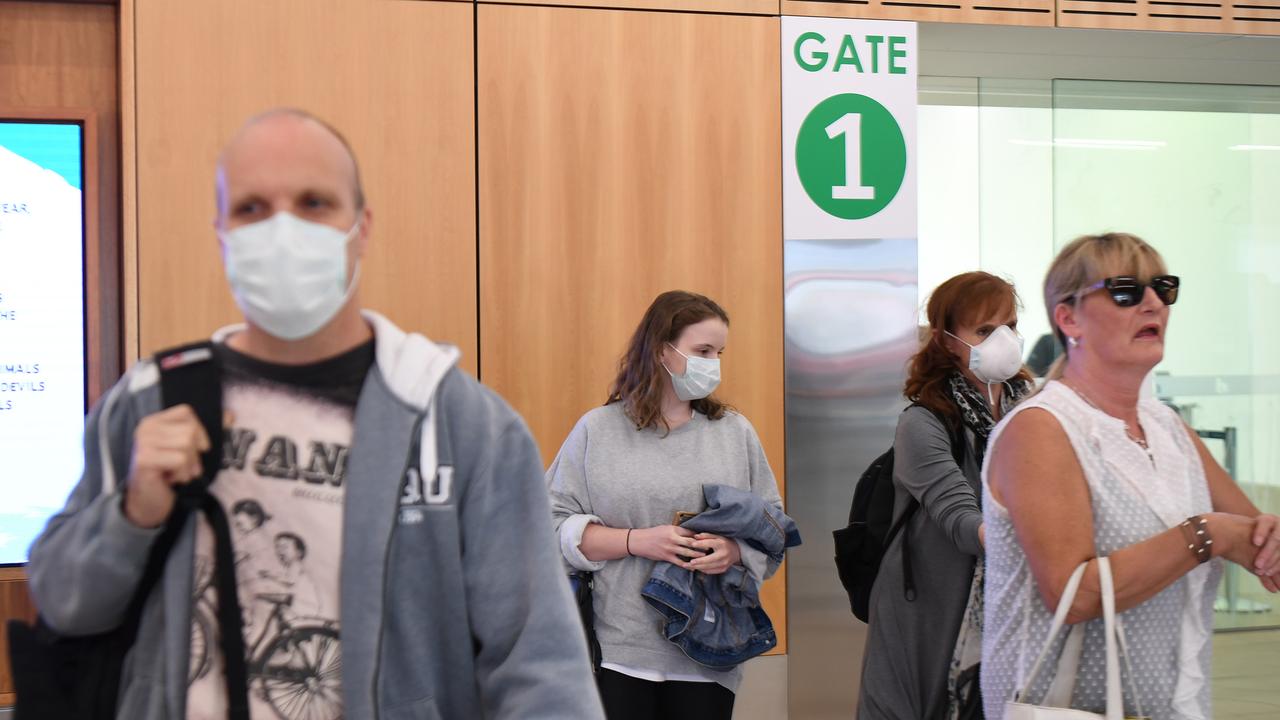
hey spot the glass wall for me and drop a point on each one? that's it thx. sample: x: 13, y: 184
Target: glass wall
x: 1011, y: 170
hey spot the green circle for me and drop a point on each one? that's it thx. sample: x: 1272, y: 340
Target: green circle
x: 821, y: 158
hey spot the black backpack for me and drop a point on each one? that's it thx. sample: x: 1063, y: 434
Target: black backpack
x: 78, y: 678
x: 861, y: 545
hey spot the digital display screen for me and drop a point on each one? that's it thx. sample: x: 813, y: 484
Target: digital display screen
x: 42, y: 328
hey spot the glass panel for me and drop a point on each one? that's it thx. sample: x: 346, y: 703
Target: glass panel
x: 1016, y: 175
x: 1194, y: 169
x: 986, y: 195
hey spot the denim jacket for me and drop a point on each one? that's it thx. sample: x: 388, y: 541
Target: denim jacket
x: 716, y: 619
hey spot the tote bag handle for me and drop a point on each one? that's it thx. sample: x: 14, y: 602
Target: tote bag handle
x: 1116, y: 647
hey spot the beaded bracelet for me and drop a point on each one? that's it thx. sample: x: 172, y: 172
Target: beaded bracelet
x: 1195, y: 530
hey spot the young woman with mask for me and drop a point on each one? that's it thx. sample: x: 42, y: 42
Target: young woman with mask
x: 618, y: 481
x: 922, y: 654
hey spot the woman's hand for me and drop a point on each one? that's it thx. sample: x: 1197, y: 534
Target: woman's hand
x: 1266, y: 538
x: 724, y: 553
x: 1233, y: 538
x: 664, y: 543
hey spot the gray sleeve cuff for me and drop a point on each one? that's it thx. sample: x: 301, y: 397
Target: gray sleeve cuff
x: 571, y: 541
x: 756, y: 562
x: 966, y: 539
x: 121, y: 534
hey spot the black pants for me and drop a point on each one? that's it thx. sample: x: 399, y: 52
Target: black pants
x: 628, y: 698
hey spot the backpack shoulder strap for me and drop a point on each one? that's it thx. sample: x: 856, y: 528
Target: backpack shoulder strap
x: 188, y: 374
x: 191, y: 375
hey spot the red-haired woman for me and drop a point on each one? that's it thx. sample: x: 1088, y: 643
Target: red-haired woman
x: 922, y: 652
x: 618, y: 481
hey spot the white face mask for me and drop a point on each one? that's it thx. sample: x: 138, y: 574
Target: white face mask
x: 289, y: 275
x: 701, y: 376
x: 997, y: 358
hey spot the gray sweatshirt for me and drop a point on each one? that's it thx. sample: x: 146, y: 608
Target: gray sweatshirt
x: 453, y: 606
x: 607, y: 471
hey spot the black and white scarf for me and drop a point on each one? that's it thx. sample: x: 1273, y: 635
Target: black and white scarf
x: 975, y: 413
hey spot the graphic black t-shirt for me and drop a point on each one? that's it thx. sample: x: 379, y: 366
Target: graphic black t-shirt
x: 282, y: 485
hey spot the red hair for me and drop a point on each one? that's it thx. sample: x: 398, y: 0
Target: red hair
x: 965, y: 299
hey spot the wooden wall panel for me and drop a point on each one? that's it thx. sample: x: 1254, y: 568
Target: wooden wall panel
x: 15, y: 602
x: 60, y: 60
x: 623, y: 154
x: 983, y: 12
x: 395, y: 77
x: 750, y: 7
x: 1250, y: 17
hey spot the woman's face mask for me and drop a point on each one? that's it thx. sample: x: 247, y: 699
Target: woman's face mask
x: 701, y: 376
x: 997, y: 358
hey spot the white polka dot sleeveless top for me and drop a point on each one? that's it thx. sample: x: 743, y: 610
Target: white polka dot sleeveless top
x: 1134, y: 496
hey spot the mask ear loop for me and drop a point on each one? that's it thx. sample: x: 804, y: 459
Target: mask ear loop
x: 355, y: 273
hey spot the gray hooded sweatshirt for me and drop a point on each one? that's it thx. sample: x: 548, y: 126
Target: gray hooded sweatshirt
x: 455, y: 607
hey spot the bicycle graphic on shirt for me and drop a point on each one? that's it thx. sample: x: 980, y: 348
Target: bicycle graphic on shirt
x: 293, y: 663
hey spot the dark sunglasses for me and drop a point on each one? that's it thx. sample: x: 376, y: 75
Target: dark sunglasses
x: 1127, y: 291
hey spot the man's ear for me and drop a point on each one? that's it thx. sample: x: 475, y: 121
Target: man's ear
x: 366, y: 227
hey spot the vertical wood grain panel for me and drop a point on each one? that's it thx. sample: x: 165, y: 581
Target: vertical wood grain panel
x: 979, y: 12
x: 395, y: 77
x: 623, y: 154
x: 15, y: 602
x: 128, y: 184
x: 752, y: 7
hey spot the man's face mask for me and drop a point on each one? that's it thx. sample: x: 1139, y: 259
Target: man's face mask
x: 289, y: 275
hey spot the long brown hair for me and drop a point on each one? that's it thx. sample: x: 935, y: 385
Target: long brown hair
x: 639, y: 383
x: 963, y: 300
x: 1086, y: 260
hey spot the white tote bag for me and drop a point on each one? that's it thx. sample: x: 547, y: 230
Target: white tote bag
x: 1064, y: 680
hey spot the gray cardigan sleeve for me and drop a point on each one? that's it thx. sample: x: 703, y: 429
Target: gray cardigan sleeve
x: 86, y: 564
x: 923, y: 465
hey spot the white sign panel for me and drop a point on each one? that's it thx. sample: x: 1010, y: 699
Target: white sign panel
x: 848, y: 129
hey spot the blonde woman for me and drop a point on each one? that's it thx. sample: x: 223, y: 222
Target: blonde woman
x: 1086, y: 469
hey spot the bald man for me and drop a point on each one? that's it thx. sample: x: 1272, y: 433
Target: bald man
x: 411, y: 496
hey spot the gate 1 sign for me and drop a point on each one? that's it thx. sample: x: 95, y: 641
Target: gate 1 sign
x: 848, y: 129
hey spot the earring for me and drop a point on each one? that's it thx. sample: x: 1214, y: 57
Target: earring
x: 1073, y: 342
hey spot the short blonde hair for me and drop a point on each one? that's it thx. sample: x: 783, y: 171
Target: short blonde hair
x: 1085, y: 261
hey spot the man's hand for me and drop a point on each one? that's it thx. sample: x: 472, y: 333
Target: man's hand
x: 166, y: 452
